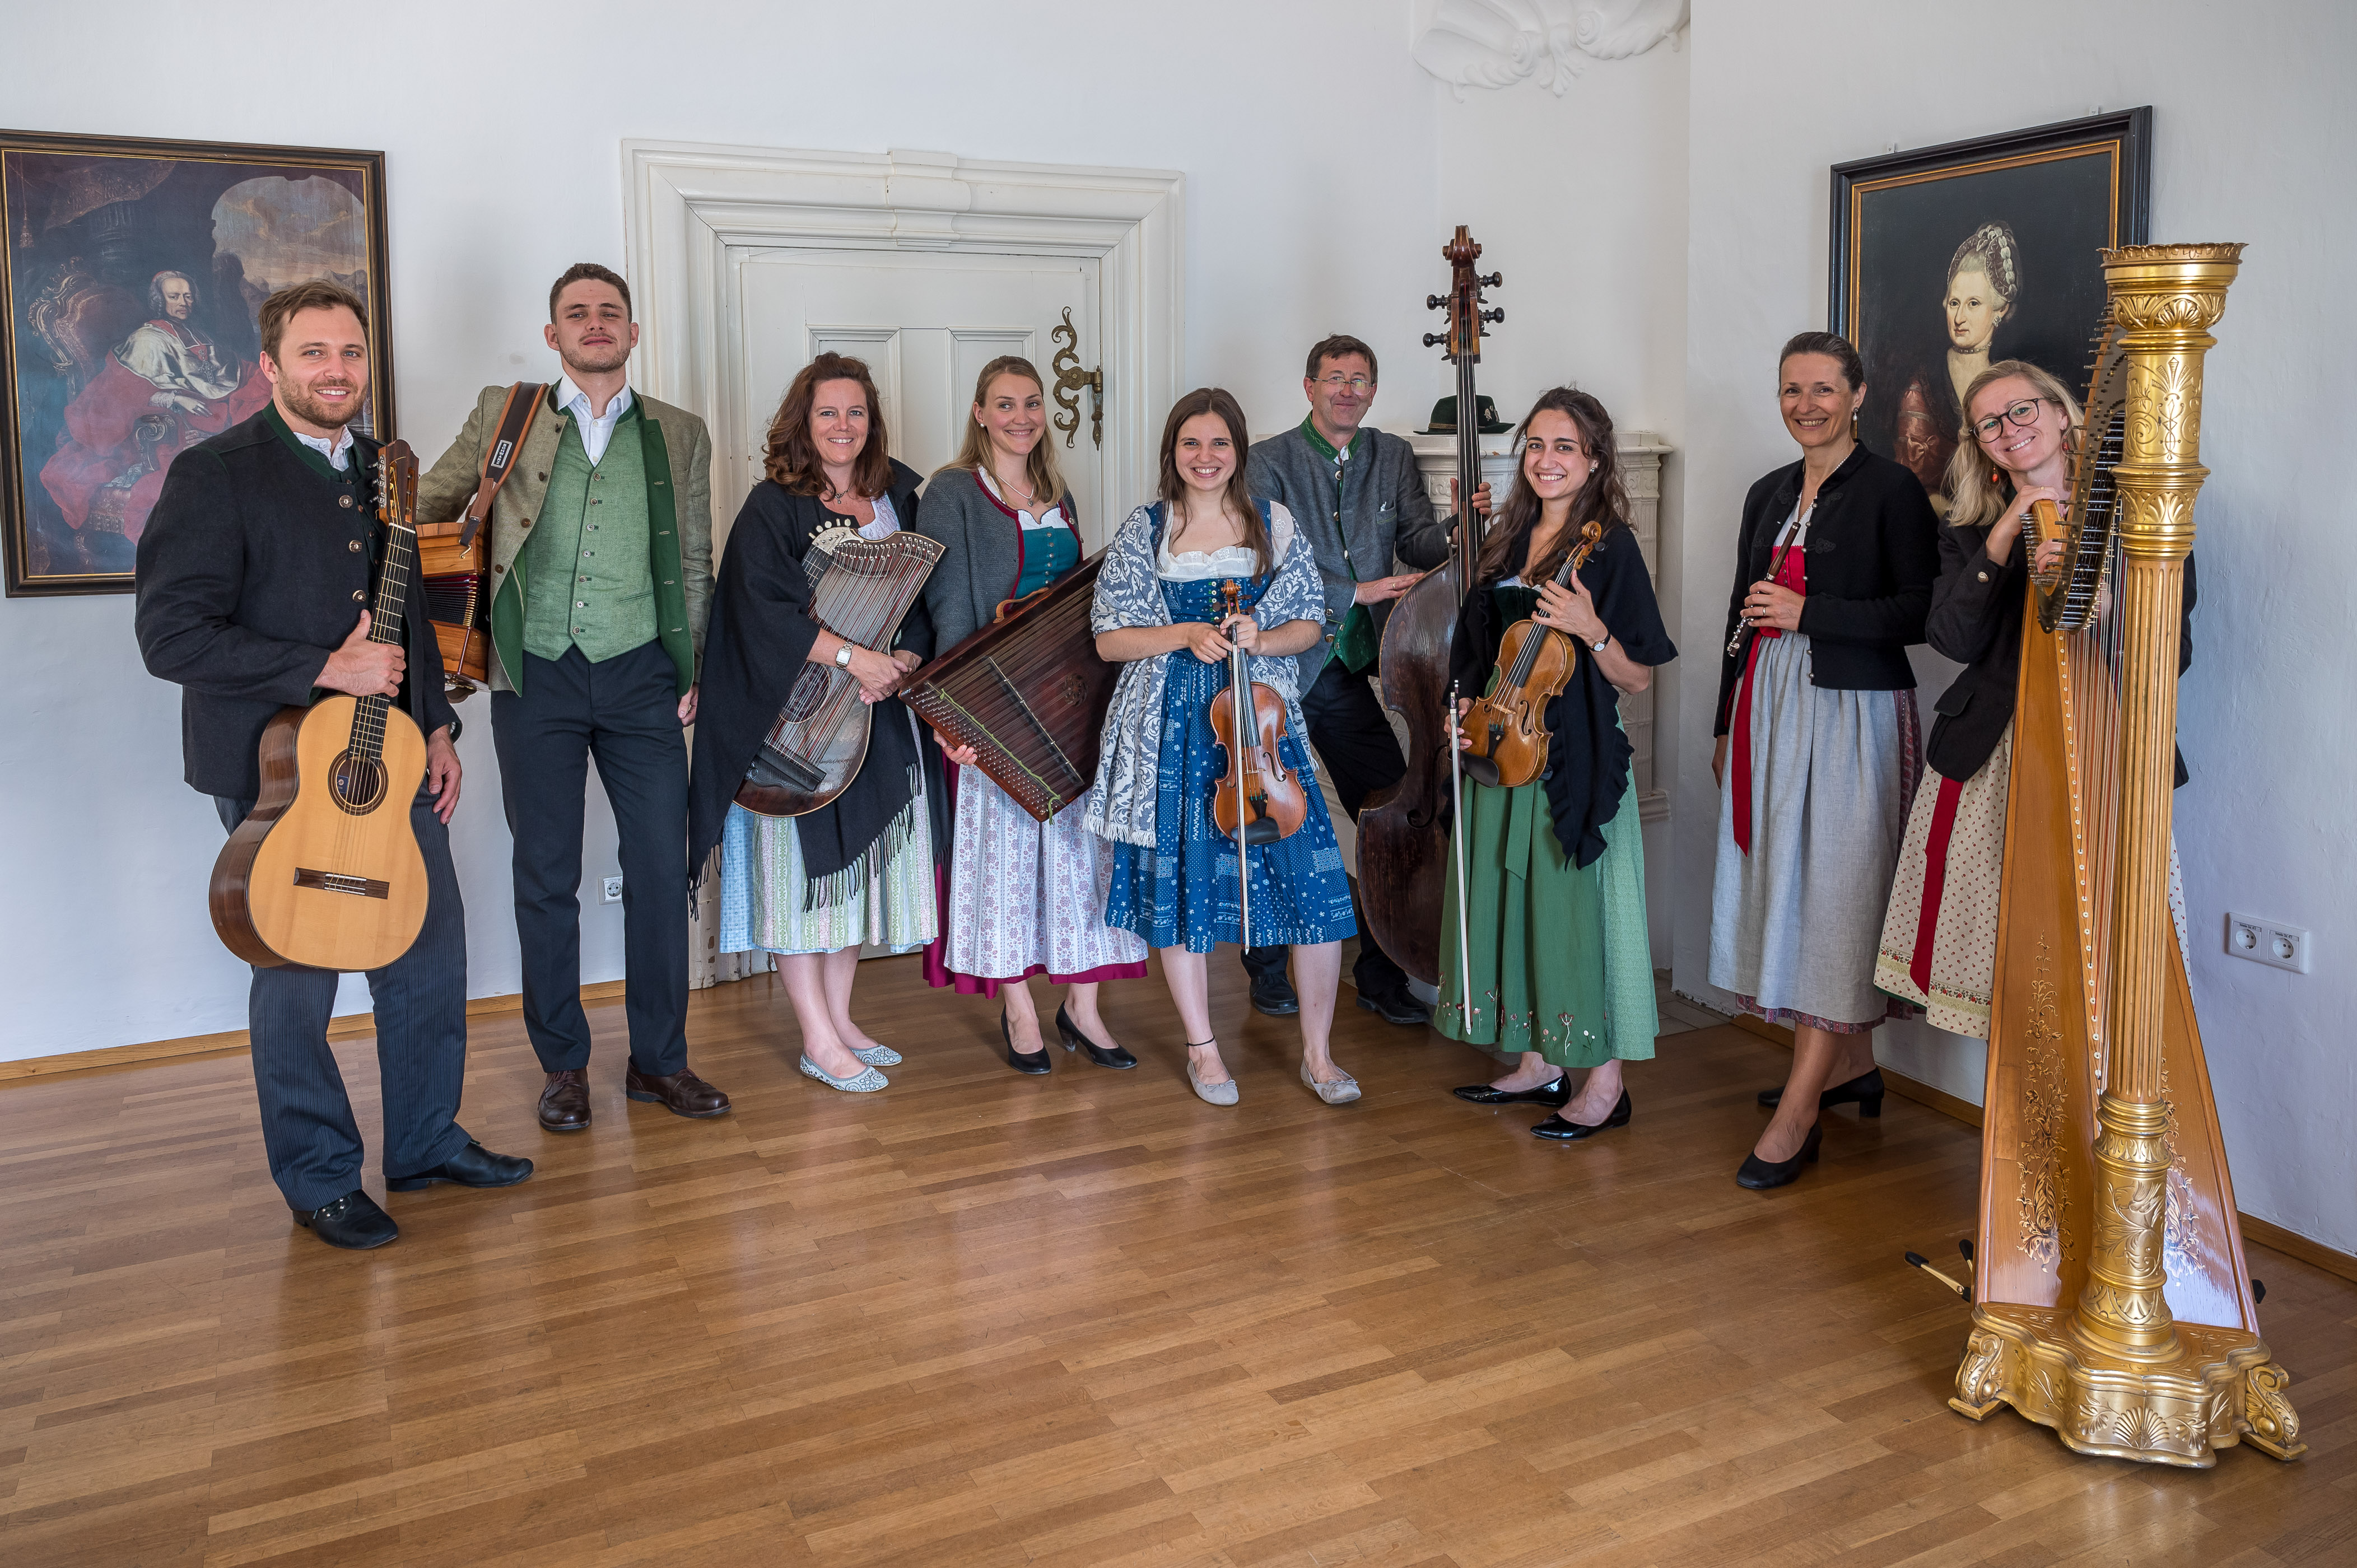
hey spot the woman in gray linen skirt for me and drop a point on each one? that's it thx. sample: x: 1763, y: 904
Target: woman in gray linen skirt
x: 1818, y: 746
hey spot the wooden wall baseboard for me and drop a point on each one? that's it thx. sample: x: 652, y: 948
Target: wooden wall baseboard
x: 2291, y: 1243
x: 350, y: 1026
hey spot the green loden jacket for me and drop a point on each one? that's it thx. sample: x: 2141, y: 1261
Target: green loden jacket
x: 678, y: 457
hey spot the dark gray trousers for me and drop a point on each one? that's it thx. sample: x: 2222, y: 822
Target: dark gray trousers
x: 1353, y: 733
x: 421, y: 1044
x: 623, y: 711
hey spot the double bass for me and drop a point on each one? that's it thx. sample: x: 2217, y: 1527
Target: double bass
x: 1404, y: 831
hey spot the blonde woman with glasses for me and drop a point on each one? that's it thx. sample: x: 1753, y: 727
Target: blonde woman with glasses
x: 1939, y: 938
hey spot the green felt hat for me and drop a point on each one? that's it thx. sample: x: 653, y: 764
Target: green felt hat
x: 1444, y: 418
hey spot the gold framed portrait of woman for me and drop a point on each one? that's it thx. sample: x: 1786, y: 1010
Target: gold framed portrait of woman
x: 1947, y: 258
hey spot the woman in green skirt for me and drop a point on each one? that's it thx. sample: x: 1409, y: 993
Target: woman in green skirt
x: 1554, y: 912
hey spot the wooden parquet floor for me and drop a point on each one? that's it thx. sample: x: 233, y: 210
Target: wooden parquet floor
x: 1080, y: 1320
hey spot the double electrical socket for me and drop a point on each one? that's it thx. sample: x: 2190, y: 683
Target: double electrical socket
x: 2266, y: 941
x: 613, y: 890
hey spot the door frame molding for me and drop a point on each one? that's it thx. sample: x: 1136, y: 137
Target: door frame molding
x: 686, y: 205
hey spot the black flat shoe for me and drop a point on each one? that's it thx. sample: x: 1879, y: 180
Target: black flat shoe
x: 1865, y: 1090
x: 1396, y: 1007
x: 1273, y: 995
x: 473, y: 1165
x: 1759, y: 1175
x: 1555, y: 1095
x: 354, y: 1222
x: 1563, y: 1132
x: 1032, y: 1062
x: 1113, y: 1056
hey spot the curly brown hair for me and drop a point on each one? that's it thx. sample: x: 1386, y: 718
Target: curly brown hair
x: 1604, y: 499
x: 790, y: 459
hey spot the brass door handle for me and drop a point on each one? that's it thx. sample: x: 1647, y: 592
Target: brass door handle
x: 1069, y: 380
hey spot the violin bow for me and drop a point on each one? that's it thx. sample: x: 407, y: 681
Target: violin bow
x: 1240, y: 706
x: 1457, y: 835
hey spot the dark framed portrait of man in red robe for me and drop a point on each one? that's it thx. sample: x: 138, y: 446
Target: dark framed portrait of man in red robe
x: 127, y: 322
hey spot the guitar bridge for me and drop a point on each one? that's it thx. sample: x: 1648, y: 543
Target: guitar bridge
x: 339, y: 882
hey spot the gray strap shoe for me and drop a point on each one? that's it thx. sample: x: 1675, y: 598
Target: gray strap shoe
x: 1210, y: 1094
x: 1337, y: 1091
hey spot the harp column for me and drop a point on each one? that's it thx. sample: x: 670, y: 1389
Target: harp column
x: 2167, y: 298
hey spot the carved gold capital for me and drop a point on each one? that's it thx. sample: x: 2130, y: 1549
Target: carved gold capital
x: 2171, y: 288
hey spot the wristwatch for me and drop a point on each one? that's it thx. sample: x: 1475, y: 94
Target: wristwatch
x: 843, y: 657
x: 1599, y: 644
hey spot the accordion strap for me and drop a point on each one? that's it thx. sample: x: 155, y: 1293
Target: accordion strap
x: 515, y: 424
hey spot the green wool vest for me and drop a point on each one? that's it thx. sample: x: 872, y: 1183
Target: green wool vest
x: 588, y: 578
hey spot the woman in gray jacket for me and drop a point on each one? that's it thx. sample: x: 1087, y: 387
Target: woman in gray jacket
x: 1022, y: 897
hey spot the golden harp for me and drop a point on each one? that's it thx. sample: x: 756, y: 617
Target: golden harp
x: 2114, y: 1302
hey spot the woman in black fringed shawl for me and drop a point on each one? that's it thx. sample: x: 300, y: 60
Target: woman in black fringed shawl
x: 812, y: 888
x: 1555, y: 912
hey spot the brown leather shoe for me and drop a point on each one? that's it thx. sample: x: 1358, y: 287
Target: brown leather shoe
x: 682, y: 1094
x: 565, y: 1102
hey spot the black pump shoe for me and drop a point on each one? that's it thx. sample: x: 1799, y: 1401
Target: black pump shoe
x: 1865, y: 1090
x: 1032, y: 1062
x: 1555, y: 1095
x: 1563, y: 1132
x: 1759, y: 1175
x: 1102, y: 1056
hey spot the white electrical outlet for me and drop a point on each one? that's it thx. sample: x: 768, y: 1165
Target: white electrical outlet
x: 613, y: 890
x: 2267, y: 941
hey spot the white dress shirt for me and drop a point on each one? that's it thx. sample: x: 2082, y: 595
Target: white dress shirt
x: 337, y: 452
x: 597, y: 429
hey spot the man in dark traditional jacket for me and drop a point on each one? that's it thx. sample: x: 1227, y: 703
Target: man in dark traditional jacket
x: 1358, y: 495
x: 254, y: 576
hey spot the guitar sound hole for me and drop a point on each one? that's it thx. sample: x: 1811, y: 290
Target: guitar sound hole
x: 359, y: 783
x: 810, y: 688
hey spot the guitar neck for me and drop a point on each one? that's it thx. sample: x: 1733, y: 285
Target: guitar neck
x: 396, y: 482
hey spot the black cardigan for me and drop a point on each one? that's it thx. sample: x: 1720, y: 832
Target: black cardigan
x: 1976, y: 620
x: 1587, y: 753
x: 1872, y: 555
x: 759, y: 638
x: 253, y: 568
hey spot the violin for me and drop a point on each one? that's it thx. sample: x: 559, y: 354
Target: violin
x: 1505, y: 732
x: 1259, y: 800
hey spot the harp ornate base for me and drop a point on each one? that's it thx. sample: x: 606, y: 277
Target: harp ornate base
x: 2221, y: 1387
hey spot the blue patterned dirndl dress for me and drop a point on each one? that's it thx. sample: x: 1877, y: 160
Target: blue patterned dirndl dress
x: 1182, y: 891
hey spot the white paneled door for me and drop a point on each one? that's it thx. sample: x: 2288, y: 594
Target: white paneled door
x: 926, y: 322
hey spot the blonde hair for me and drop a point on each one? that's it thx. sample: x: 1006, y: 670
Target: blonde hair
x: 1046, y: 481
x: 1977, y: 489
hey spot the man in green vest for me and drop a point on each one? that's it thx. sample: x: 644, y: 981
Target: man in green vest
x: 600, y: 583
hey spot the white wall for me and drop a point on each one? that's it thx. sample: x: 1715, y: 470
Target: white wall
x: 2254, y: 130
x: 1303, y: 130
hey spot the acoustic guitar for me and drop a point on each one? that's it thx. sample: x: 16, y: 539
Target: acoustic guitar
x: 326, y: 871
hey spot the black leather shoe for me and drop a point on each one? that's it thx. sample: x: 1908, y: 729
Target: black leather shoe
x: 1273, y: 995
x: 565, y: 1102
x: 1395, y: 1007
x: 1563, y: 1132
x: 352, y: 1221
x: 682, y: 1094
x: 1759, y: 1175
x: 1556, y: 1094
x: 1865, y: 1090
x: 473, y: 1165
x: 1033, y: 1062
x: 1102, y: 1056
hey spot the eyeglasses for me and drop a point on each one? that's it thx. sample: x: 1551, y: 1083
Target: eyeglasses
x: 1355, y: 383
x: 2023, y: 414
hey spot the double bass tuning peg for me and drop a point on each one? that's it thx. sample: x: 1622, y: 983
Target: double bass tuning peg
x: 1497, y: 314
x: 1432, y: 338
x: 1435, y: 301
x: 1494, y: 280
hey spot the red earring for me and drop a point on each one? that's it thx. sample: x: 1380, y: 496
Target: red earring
x: 1996, y: 478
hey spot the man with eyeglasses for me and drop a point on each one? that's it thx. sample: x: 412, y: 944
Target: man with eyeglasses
x: 1357, y: 493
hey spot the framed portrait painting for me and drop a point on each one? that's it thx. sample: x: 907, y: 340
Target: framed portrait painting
x: 127, y: 322
x: 1948, y: 258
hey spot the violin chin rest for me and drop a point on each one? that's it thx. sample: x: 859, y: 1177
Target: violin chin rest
x: 1480, y: 769
x: 1260, y: 830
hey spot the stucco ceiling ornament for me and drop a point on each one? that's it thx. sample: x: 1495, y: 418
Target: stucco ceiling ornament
x: 1497, y: 43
